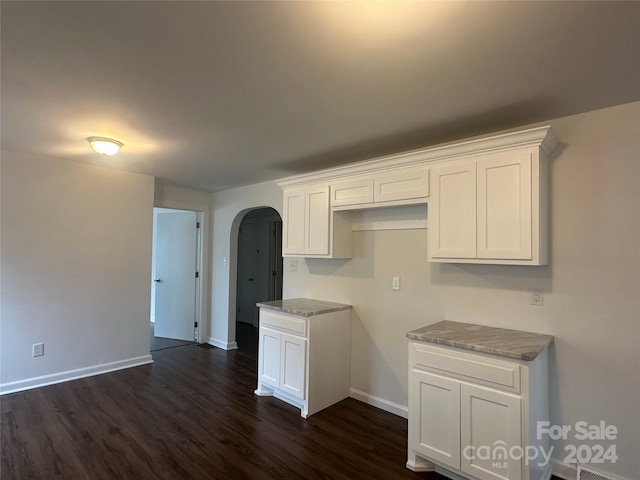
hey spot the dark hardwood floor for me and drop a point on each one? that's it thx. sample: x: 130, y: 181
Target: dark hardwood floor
x: 160, y: 343
x: 193, y: 415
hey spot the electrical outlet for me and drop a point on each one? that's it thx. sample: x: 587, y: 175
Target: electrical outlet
x: 395, y: 283
x: 537, y: 297
x: 38, y: 349
x: 293, y: 264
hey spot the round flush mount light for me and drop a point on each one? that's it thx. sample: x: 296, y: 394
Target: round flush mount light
x: 104, y: 146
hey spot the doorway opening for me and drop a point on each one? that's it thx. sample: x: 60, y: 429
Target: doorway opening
x: 175, y: 280
x: 259, y: 271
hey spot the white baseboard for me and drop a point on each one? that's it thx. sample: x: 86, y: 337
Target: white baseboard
x: 75, y: 374
x: 222, y: 344
x: 381, y: 403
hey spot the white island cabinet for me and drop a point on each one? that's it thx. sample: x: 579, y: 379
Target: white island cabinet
x: 476, y: 394
x: 303, y: 352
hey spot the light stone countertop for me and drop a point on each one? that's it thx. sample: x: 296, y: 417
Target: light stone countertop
x: 304, y: 307
x: 497, y: 341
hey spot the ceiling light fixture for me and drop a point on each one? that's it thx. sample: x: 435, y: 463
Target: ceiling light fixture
x: 105, y: 146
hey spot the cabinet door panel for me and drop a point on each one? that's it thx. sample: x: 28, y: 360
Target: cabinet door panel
x: 352, y: 192
x: 452, y: 212
x: 317, y: 221
x: 402, y: 185
x: 434, y: 417
x: 270, y: 357
x: 293, y: 222
x: 293, y: 365
x: 490, y: 420
x: 504, y: 207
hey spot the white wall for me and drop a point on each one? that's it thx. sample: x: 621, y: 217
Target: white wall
x: 229, y: 207
x: 591, y: 287
x: 76, y: 261
x: 172, y: 196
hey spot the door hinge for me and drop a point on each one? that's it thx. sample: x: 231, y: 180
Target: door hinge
x: 197, y: 224
x: 195, y: 324
x: 197, y: 274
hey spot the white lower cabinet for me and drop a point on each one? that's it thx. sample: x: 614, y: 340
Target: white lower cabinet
x: 473, y: 415
x: 282, y: 361
x: 304, y: 361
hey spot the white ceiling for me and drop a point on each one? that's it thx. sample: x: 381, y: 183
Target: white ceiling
x: 220, y: 94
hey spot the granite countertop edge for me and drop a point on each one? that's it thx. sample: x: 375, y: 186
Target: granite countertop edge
x: 305, y: 307
x: 518, y: 345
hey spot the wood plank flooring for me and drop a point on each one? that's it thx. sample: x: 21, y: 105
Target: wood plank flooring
x: 192, y: 415
x: 160, y: 343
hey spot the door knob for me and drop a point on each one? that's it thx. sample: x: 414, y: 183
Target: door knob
x: 157, y: 280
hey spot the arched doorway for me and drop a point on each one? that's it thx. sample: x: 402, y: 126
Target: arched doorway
x: 259, y: 271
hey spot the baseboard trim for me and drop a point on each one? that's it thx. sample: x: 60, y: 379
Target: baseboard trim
x: 381, y: 403
x: 563, y: 470
x: 222, y: 344
x: 60, y: 377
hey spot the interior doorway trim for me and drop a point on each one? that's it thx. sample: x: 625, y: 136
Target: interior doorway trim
x: 202, y: 253
x: 229, y: 343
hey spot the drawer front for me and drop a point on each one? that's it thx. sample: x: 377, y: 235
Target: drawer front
x: 401, y: 185
x: 467, y: 367
x: 285, y: 323
x: 352, y: 192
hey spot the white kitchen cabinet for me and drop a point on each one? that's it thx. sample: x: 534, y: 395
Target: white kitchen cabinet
x: 393, y: 187
x: 452, y: 212
x: 406, y: 184
x: 435, y: 432
x: 282, y: 361
x: 487, y: 199
x: 490, y: 417
x: 354, y: 191
x: 309, y: 228
x: 304, y: 360
x: 490, y: 209
x: 464, y: 404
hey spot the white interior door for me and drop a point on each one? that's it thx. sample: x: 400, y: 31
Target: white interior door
x: 175, y: 275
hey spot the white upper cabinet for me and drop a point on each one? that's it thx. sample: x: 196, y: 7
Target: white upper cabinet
x: 316, y: 218
x: 293, y: 225
x: 487, y: 200
x: 402, y: 184
x: 490, y: 209
x: 398, y: 186
x: 505, y: 206
x: 310, y: 228
x: 452, y: 212
x: 354, y: 191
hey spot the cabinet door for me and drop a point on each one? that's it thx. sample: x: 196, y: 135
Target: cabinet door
x: 293, y: 365
x: 293, y: 222
x: 269, y: 366
x: 504, y: 206
x: 452, y: 211
x: 434, y: 417
x: 402, y: 184
x: 352, y: 192
x: 490, y: 426
x: 317, y: 221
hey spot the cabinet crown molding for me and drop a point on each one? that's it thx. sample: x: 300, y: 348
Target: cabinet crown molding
x: 542, y: 137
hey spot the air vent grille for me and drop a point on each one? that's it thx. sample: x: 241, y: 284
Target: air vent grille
x: 587, y: 474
